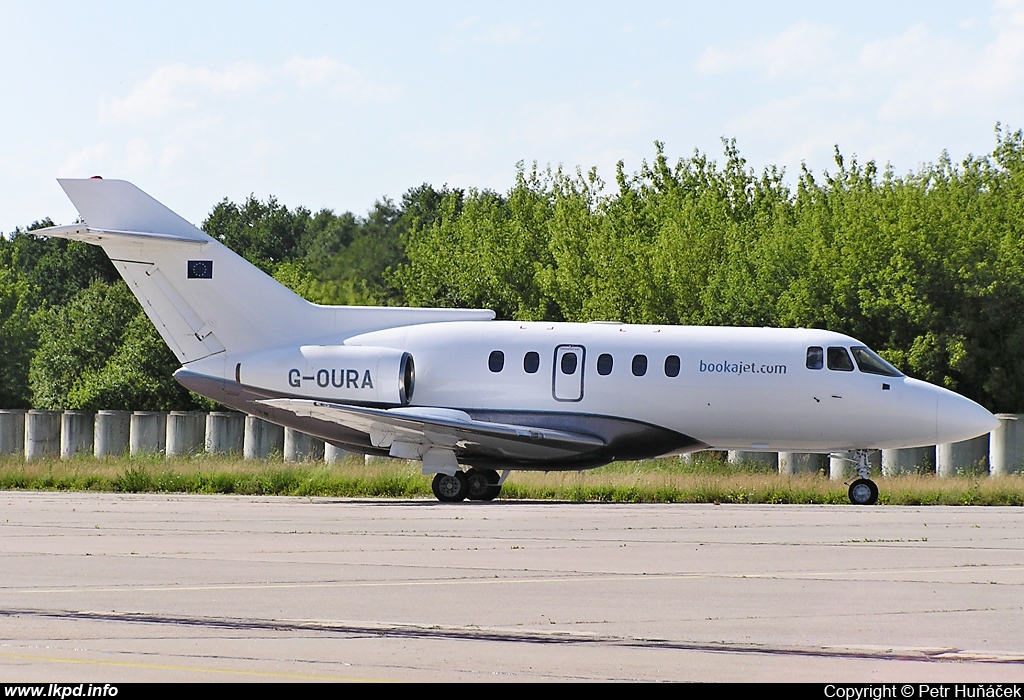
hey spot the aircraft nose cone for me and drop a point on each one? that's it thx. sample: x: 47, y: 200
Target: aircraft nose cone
x: 958, y: 418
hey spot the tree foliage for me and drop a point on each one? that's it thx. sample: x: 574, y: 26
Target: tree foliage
x: 101, y: 351
x: 926, y: 267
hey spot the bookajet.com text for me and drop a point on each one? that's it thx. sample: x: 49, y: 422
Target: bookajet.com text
x: 729, y: 367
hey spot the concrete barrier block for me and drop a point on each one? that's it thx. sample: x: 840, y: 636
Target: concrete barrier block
x: 186, y: 433
x: 334, y: 454
x: 792, y: 463
x: 225, y: 432
x: 148, y: 432
x: 111, y: 433
x: 911, y: 460
x: 300, y: 447
x: 967, y: 457
x: 12, y: 431
x: 740, y: 457
x: 76, y: 433
x: 262, y: 438
x: 42, y: 434
x: 1006, y: 445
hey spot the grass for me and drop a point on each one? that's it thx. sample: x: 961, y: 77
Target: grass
x: 704, y: 480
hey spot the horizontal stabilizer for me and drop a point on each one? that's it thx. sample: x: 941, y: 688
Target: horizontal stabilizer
x: 117, y: 205
x: 96, y: 236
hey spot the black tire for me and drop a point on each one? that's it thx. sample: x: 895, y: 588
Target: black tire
x: 863, y: 492
x: 483, y: 484
x: 450, y: 488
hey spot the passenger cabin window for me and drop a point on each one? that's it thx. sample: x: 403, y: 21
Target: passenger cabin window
x: 815, y: 358
x: 839, y: 359
x: 639, y: 365
x: 569, y: 362
x: 868, y: 361
x: 604, y: 365
x: 531, y: 362
x: 672, y: 366
x: 496, y: 362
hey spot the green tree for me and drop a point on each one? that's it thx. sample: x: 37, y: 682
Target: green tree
x: 17, y: 340
x: 264, y: 233
x: 101, y: 351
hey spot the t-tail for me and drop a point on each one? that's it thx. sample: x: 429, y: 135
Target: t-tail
x: 203, y: 298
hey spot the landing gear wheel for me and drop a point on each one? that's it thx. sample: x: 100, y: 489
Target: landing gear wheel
x: 863, y: 492
x: 450, y: 488
x: 483, y: 484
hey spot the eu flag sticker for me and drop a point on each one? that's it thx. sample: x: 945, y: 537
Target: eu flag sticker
x: 200, y: 269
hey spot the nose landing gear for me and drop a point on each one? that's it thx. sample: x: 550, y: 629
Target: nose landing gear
x: 863, y: 491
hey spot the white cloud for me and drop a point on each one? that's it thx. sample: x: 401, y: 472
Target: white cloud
x: 341, y: 79
x: 89, y: 159
x: 508, y: 33
x: 929, y: 76
x: 311, y: 72
x: 178, y: 89
x: 919, y: 89
x: 797, y: 49
x: 139, y: 154
x: 716, y: 61
x: 471, y: 31
x: 1003, y: 62
x: 609, y: 120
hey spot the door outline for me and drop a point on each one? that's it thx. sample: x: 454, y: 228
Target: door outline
x: 570, y: 388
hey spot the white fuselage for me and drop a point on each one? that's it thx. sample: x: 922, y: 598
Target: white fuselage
x: 735, y: 388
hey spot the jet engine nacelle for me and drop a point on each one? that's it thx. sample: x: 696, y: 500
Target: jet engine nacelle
x: 339, y: 373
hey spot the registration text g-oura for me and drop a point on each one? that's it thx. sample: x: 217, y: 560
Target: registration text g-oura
x: 343, y: 372
x: 729, y: 367
x: 337, y: 378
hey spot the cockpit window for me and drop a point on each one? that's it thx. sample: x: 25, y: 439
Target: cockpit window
x: 839, y: 359
x: 868, y: 361
x: 815, y: 358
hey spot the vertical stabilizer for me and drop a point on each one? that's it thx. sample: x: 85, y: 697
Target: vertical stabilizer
x: 204, y: 299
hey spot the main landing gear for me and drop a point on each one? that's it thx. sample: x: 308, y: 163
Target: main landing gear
x: 863, y: 491
x: 474, y: 484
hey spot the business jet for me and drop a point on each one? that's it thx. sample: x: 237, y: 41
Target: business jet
x: 469, y: 396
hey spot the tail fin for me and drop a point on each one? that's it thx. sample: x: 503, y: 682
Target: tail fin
x: 203, y: 298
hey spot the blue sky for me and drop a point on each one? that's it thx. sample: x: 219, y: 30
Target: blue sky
x: 339, y: 104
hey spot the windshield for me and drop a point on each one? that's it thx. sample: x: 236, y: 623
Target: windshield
x: 868, y: 361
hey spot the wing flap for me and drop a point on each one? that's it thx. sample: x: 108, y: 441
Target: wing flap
x: 447, y: 429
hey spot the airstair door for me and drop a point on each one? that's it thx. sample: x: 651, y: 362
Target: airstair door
x: 567, y: 376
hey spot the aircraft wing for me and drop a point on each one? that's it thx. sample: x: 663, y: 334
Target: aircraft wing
x: 411, y: 432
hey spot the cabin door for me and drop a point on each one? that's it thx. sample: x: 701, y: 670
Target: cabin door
x: 567, y: 376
